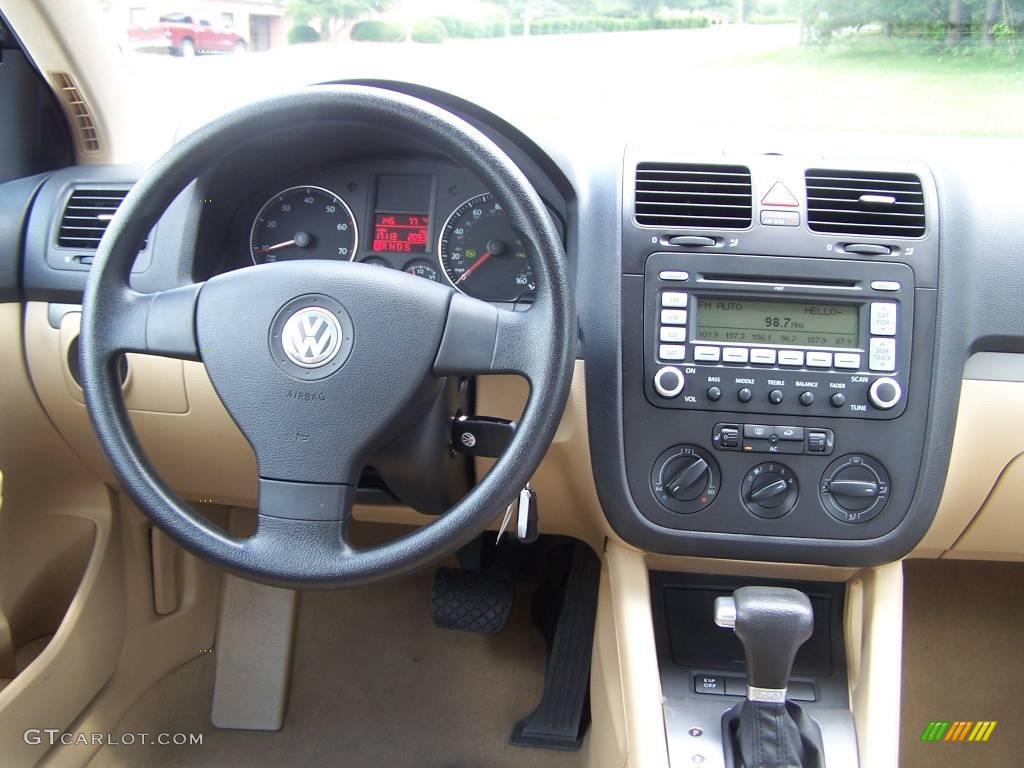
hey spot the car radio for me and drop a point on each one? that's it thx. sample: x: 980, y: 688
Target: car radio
x: 777, y: 335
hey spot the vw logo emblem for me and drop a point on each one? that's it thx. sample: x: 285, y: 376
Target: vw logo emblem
x: 311, y: 337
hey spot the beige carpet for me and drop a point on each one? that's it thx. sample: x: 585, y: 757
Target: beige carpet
x: 963, y: 659
x: 374, y: 684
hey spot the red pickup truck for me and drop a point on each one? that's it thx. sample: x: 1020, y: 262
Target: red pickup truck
x: 182, y: 34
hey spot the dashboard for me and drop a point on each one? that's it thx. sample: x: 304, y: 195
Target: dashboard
x: 428, y: 218
x: 774, y: 344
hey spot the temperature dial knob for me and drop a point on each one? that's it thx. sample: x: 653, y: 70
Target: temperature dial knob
x: 685, y: 479
x: 769, y: 490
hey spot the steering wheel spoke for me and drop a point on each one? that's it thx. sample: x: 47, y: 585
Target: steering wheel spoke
x: 162, y: 323
x: 481, y: 338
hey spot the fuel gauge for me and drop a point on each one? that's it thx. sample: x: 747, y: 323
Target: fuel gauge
x: 423, y: 268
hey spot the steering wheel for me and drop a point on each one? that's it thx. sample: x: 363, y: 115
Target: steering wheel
x: 320, y: 363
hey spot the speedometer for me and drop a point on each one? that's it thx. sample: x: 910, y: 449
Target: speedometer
x: 481, y: 255
x: 303, y: 223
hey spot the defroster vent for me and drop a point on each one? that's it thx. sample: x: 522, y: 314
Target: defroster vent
x: 689, y: 195
x: 86, y: 216
x: 877, y: 204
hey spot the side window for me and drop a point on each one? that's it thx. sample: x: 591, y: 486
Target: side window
x: 204, y: 23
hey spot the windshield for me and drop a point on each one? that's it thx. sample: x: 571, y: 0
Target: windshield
x: 678, y: 68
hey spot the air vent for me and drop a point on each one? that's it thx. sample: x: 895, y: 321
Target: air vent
x: 877, y: 204
x: 86, y: 216
x: 684, y: 195
x: 79, y: 112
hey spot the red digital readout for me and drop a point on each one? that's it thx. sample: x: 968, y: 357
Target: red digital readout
x: 399, y: 233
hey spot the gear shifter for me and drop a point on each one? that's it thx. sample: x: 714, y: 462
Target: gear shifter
x: 766, y: 729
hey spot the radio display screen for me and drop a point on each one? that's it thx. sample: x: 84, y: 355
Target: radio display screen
x: 798, y: 324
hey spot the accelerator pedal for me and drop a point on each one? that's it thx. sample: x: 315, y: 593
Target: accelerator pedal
x: 471, y: 601
x: 561, y: 717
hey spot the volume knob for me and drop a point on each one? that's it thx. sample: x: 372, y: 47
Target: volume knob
x: 884, y: 393
x: 669, y: 382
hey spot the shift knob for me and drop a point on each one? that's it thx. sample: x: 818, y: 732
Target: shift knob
x: 772, y: 623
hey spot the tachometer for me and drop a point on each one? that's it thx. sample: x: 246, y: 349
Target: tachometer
x: 303, y: 223
x: 481, y: 254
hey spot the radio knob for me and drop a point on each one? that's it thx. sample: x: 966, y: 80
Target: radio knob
x: 669, y: 382
x: 744, y: 395
x: 884, y: 393
x: 775, y: 396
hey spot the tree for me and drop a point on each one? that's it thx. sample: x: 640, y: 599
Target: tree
x: 333, y: 15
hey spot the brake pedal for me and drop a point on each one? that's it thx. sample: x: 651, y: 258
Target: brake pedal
x: 471, y: 601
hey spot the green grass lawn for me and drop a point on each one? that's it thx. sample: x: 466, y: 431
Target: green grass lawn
x: 908, y: 90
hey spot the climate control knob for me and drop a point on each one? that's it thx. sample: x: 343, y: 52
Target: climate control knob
x: 669, y: 381
x: 685, y: 479
x: 884, y: 393
x: 855, y: 488
x: 769, y: 490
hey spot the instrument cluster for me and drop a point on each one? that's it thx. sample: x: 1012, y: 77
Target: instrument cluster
x: 430, y: 219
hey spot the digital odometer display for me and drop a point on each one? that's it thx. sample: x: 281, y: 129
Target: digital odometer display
x: 750, y: 321
x: 400, y: 233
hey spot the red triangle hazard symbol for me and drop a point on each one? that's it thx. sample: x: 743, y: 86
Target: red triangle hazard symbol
x: 779, y: 196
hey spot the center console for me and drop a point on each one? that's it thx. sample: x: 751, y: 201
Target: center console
x: 777, y: 333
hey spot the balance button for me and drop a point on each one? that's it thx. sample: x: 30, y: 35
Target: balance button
x: 791, y: 357
x: 672, y: 351
x: 819, y: 359
x: 674, y: 275
x: 673, y: 316
x: 849, y: 360
x: 735, y: 355
x: 673, y: 333
x: 744, y: 395
x: 762, y: 356
x: 838, y: 400
x: 806, y: 398
x: 674, y: 299
x: 775, y: 396
x: 707, y: 354
x: 668, y: 382
x: 882, y: 355
x: 714, y: 394
x: 883, y: 318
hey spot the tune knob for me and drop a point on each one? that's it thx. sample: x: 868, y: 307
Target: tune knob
x: 669, y: 381
x: 884, y: 393
x: 769, y: 490
x: 685, y: 478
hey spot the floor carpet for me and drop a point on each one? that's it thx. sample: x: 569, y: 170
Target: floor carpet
x: 963, y: 660
x: 374, y: 684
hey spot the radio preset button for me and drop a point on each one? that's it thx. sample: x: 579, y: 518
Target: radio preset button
x: 762, y: 356
x: 668, y: 382
x: 672, y: 351
x: 882, y: 355
x: 775, y: 396
x: 707, y: 354
x: 673, y: 316
x: 791, y: 357
x: 674, y: 275
x: 819, y: 359
x: 735, y: 355
x: 673, y: 334
x: 744, y: 395
x: 883, y: 318
x: 849, y: 360
x: 674, y: 299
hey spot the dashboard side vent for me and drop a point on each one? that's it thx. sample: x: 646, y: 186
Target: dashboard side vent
x: 86, y: 216
x: 689, y: 195
x: 877, y: 204
x: 78, y: 110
